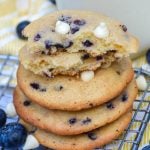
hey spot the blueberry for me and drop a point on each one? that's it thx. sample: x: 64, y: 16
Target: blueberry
x: 85, y: 56
x: 13, y: 135
x: 124, y: 28
x: 68, y: 44
x: 3, y: 118
x: 59, y: 45
x: 110, y: 105
x: 74, y: 28
x: 37, y: 37
x: 53, y: 1
x: 86, y: 121
x: 20, y: 27
x: 124, y: 97
x: 66, y: 19
x: 99, y: 58
x: 48, y: 44
x: 92, y: 136
x: 148, y: 56
x: 79, y: 22
x: 41, y: 147
x: 87, y: 43
x: 35, y: 85
x: 146, y: 147
x: 27, y: 103
x: 72, y: 121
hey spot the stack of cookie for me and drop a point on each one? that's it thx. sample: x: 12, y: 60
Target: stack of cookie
x: 75, y: 80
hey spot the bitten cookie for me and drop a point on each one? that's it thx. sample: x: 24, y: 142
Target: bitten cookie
x: 71, y: 123
x: 75, y: 31
x: 64, y: 63
x: 86, y: 141
x: 69, y: 93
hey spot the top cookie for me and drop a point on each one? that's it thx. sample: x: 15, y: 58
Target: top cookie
x: 75, y: 31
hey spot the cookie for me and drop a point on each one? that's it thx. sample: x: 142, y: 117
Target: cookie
x: 70, y: 93
x: 86, y: 141
x: 71, y: 123
x: 63, y: 63
x: 75, y: 31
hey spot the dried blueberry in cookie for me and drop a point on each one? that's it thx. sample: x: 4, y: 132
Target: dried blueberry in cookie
x: 85, y: 56
x: 99, y: 58
x: 79, y: 22
x: 86, y: 121
x: 74, y: 28
x: 35, y: 86
x: 110, y: 105
x: 92, y: 135
x: 66, y: 19
x: 87, y: 43
x: 26, y: 103
x: 72, y: 121
x: 124, y: 28
x: 37, y: 37
x: 124, y: 97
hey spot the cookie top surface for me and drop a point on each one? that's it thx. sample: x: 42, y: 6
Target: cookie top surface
x: 74, y: 31
x: 71, y: 123
x: 64, y: 63
x: 86, y: 141
x: 69, y: 93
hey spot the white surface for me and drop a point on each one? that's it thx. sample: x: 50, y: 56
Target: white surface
x: 133, y: 13
x: 31, y: 142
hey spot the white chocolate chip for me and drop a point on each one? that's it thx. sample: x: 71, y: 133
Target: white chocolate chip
x: 62, y: 27
x: 31, y: 143
x: 141, y: 83
x: 10, y: 110
x: 101, y: 31
x: 87, y: 75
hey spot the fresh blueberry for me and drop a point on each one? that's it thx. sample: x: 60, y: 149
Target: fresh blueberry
x: 37, y: 37
x: 87, y: 43
x: 13, y: 135
x: 72, y: 121
x: 146, y: 147
x: 92, y: 136
x: 26, y: 103
x: 79, y: 22
x: 3, y: 118
x: 124, y: 28
x: 148, y: 56
x: 20, y: 27
x: 53, y: 1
